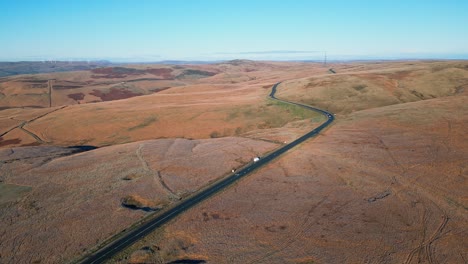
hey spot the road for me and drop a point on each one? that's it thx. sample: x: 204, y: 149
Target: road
x: 145, y: 228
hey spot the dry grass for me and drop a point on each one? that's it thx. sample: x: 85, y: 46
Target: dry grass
x: 387, y: 176
x: 351, y: 91
x: 12, y: 192
x: 80, y: 194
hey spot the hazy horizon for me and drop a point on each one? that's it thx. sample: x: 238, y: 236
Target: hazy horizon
x: 151, y: 31
x: 330, y: 59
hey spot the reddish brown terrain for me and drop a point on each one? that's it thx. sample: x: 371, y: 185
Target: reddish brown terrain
x: 385, y: 184
x: 68, y: 199
x: 378, y: 187
x: 229, y: 103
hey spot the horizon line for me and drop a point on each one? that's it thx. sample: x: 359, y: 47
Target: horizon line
x: 288, y: 55
x: 168, y: 61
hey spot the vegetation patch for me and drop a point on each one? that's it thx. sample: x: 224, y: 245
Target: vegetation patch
x: 295, y: 110
x: 166, y: 73
x: 190, y: 73
x: 66, y: 87
x: 271, y: 114
x: 458, y: 89
x: 359, y: 87
x: 12, y: 192
x: 141, y: 256
x: 115, y: 72
x: 148, y: 121
x: 114, y: 94
x: 239, y: 62
x: 400, y: 75
x: 34, y: 81
x: 417, y: 94
x: 175, y: 249
x: 31, y: 144
x: 37, y: 85
x: 232, y: 115
x: 77, y: 96
x: 157, y: 90
x: 454, y: 203
x: 215, y: 134
x: 9, y: 141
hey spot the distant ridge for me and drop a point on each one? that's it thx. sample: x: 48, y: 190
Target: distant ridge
x: 179, y: 62
x: 239, y: 62
x: 33, y: 67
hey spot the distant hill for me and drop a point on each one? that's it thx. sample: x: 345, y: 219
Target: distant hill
x: 32, y: 67
x: 183, y: 62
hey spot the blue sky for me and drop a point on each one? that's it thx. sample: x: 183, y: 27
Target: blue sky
x: 143, y: 30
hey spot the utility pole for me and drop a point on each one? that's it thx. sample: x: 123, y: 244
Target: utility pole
x: 325, y: 59
x: 49, y: 82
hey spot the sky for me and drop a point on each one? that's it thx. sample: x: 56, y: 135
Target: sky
x: 144, y: 30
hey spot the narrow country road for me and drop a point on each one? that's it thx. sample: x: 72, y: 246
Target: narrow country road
x: 149, y: 226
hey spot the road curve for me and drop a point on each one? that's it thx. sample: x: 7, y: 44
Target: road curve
x: 147, y: 227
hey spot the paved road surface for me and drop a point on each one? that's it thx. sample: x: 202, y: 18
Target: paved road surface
x: 144, y: 229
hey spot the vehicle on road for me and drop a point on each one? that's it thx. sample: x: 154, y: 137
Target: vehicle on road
x: 139, y: 231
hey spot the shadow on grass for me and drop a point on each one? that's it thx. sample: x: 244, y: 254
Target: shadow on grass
x: 77, y: 149
x: 187, y: 261
x: 134, y: 207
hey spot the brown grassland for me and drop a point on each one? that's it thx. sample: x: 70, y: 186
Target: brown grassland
x: 386, y: 183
